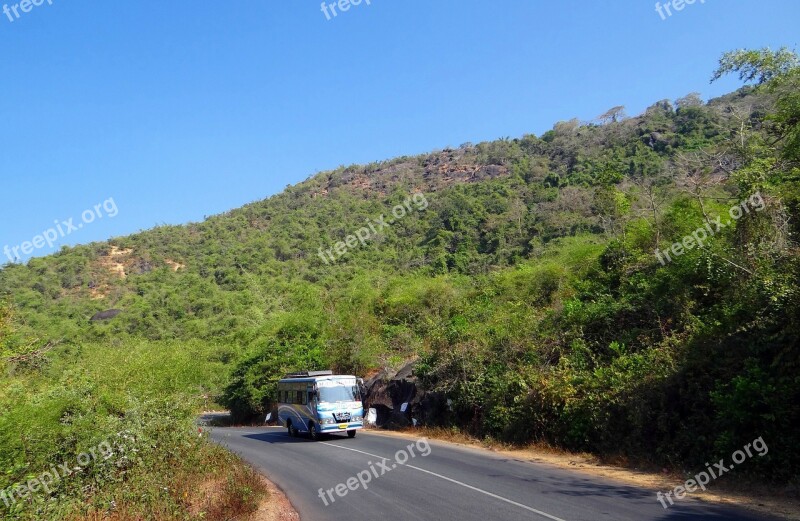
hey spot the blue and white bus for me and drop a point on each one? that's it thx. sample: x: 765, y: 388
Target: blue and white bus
x: 320, y: 402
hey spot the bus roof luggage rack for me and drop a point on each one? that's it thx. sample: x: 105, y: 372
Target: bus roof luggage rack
x: 306, y: 374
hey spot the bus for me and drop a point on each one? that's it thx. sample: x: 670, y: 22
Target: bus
x: 320, y: 402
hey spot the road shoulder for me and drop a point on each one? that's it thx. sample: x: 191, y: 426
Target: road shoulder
x: 276, y: 506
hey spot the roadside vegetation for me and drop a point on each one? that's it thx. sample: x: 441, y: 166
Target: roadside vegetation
x: 529, y: 291
x: 132, y: 406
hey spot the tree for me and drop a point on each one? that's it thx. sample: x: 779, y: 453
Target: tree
x: 778, y: 72
x: 692, y: 99
x: 613, y: 115
x: 759, y: 65
x: 770, y: 166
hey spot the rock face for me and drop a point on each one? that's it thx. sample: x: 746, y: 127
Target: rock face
x: 386, y: 392
x: 105, y: 315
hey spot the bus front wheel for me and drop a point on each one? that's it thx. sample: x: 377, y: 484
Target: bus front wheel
x: 312, y: 431
x: 351, y: 434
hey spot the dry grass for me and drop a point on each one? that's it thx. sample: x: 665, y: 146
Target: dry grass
x: 224, y: 489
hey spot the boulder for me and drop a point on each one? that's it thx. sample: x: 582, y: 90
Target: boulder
x: 105, y: 315
x: 388, y: 391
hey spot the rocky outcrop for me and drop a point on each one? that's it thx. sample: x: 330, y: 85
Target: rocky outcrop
x: 399, y: 400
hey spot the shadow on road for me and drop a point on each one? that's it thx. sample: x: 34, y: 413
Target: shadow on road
x: 283, y: 437
x: 679, y: 513
x: 684, y: 510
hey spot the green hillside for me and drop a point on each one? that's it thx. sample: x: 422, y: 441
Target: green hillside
x: 522, y: 274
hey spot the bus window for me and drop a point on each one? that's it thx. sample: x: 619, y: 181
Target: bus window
x: 299, y: 397
x: 339, y: 393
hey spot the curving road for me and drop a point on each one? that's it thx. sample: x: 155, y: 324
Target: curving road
x: 441, y: 482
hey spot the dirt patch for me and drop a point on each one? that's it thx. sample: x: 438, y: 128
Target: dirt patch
x: 753, y: 496
x: 276, y: 507
x: 98, y: 293
x: 116, y: 251
x: 113, y: 262
x: 174, y: 265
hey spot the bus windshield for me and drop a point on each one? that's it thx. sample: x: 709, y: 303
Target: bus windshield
x: 340, y: 393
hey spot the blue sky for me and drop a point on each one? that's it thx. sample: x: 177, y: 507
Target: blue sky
x: 178, y: 110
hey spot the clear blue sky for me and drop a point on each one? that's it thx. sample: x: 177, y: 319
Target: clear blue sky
x: 183, y: 109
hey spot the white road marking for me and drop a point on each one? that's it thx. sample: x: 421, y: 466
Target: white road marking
x: 476, y: 489
x: 354, y: 450
x: 451, y: 480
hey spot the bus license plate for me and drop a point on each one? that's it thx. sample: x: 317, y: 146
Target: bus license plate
x: 343, y: 426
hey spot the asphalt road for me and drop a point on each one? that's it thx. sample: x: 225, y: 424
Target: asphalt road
x: 449, y: 483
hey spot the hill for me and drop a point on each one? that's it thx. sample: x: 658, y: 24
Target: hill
x: 522, y: 274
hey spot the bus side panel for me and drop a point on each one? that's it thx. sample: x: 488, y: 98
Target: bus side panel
x: 299, y: 414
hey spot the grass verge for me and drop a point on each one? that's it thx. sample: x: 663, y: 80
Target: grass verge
x: 111, y: 433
